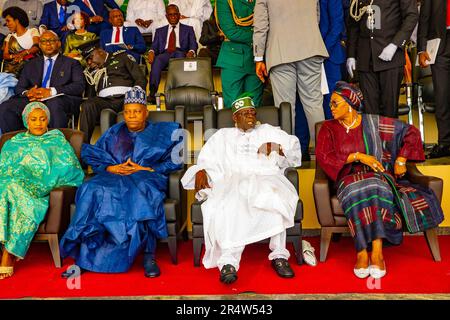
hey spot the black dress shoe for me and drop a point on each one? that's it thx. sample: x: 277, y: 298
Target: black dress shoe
x: 282, y: 268
x: 228, y: 274
x: 439, y: 151
x: 67, y: 274
x: 151, y: 269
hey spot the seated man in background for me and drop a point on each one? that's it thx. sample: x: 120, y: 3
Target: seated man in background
x: 194, y: 13
x: 120, y: 210
x: 98, y: 11
x: 146, y: 15
x: 53, y: 78
x: 54, y: 17
x: 248, y: 199
x: 178, y: 42
x: 112, y: 75
x: 122, y: 38
x: 212, y: 39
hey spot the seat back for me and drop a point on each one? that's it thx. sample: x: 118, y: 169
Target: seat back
x: 176, y: 115
x: 280, y: 117
x: 189, y: 83
x: 74, y: 137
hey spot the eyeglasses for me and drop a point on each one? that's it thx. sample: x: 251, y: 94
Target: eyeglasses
x: 335, y: 104
x: 51, y: 41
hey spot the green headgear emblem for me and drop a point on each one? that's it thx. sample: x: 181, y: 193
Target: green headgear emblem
x: 244, y: 101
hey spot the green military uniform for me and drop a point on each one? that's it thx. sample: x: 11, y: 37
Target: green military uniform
x: 236, y: 54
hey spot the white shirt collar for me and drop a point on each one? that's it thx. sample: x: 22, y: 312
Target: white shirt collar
x: 52, y: 57
x: 177, y: 26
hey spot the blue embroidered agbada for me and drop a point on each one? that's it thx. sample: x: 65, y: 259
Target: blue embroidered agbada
x: 118, y: 216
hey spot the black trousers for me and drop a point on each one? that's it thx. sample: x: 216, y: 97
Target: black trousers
x: 91, y: 109
x: 441, y: 84
x: 60, y: 107
x: 381, y: 91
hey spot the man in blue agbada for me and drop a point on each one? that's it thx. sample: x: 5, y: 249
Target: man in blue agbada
x: 120, y: 210
x: 32, y: 164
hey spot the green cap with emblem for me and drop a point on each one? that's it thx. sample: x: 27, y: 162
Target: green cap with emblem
x: 244, y: 101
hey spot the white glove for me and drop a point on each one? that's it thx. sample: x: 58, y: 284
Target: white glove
x: 388, y: 52
x: 351, y: 66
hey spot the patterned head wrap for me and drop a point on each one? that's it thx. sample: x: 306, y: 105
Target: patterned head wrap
x: 350, y: 93
x: 30, y: 107
x: 244, y: 101
x: 136, y: 95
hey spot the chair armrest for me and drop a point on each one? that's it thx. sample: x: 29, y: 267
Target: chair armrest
x: 58, y: 214
x: 175, y: 187
x: 322, y: 198
x: 434, y: 183
x: 196, y: 212
x: 291, y: 174
x: 285, y: 116
x: 209, y: 118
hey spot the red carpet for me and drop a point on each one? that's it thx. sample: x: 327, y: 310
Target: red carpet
x: 410, y: 270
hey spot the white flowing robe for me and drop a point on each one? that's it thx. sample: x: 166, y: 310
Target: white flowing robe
x: 146, y: 10
x: 198, y: 11
x: 250, y: 199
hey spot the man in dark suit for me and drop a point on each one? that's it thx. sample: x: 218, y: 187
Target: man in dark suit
x: 375, y: 49
x: 118, y: 74
x: 54, y: 17
x: 212, y: 39
x: 53, y: 79
x: 130, y: 37
x: 98, y: 13
x: 178, y: 43
x: 434, y: 22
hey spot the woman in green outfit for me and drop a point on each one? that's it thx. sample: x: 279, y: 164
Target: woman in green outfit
x: 32, y: 163
x: 78, y: 39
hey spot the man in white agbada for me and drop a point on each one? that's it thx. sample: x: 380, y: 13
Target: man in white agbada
x: 146, y: 15
x: 194, y: 13
x: 240, y: 174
